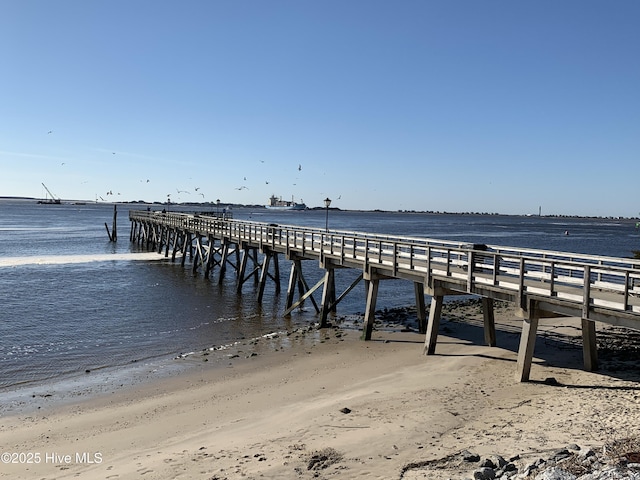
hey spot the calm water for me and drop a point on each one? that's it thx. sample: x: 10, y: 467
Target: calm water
x: 80, y: 302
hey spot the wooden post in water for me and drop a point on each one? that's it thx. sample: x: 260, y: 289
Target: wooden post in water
x: 113, y: 235
x: 114, y: 229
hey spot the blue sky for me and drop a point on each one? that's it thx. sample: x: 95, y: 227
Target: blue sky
x: 483, y: 106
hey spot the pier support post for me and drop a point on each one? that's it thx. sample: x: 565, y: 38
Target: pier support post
x: 295, y: 278
x: 170, y: 233
x: 489, y: 321
x: 328, y: 295
x: 210, y: 255
x: 433, y: 326
x: 179, y: 237
x: 527, y: 342
x: 248, y: 253
x: 160, y: 237
x: 264, y: 273
x: 369, y: 312
x: 224, y: 256
x: 589, y: 345
x: 263, y: 276
x: 200, y: 256
x: 188, y: 239
x: 421, y: 311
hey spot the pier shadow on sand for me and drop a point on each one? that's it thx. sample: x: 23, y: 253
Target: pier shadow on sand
x: 558, y: 343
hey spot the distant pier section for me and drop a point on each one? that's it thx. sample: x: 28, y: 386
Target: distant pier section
x: 542, y: 284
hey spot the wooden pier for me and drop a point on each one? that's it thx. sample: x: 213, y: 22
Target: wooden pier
x: 542, y: 284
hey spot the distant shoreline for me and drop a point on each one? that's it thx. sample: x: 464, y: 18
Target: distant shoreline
x: 237, y: 205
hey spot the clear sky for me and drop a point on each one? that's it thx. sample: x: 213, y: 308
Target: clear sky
x: 450, y: 105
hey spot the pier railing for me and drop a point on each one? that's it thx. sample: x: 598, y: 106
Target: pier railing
x: 593, y: 287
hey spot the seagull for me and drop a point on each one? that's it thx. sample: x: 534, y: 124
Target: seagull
x: 299, y: 167
x: 49, y: 132
x: 267, y: 182
x: 201, y: 194
x: 197, y: 188
x: 242, y: 188
x: 183, y: 191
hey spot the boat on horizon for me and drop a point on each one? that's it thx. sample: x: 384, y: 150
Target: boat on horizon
x: 49, y: 201
x: 276, y: 203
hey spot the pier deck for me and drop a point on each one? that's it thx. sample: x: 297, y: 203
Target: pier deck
x: 540, y: 283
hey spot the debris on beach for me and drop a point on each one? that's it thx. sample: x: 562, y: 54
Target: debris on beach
x: 321, y: 459
x: 614, y: 461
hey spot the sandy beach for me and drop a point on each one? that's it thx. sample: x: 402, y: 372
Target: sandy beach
x: 328, y: 405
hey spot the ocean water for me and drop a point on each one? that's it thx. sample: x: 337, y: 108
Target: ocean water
x: 71, y: 301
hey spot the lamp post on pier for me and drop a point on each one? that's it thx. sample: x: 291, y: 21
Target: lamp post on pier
x: 217, y: 207
x: 327, y: 202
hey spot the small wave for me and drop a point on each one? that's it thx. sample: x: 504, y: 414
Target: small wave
x: 66, y: 259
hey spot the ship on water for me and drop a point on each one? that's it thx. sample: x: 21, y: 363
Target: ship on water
x: 49, y: 201
x: 276, y: 203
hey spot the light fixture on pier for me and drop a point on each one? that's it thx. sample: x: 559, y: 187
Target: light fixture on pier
x: 327, y: 202
x: 217, y: 207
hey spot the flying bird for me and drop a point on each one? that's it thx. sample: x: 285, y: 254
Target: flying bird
x: 242, y: 188
x: 50, y: 131
x: 299, y: 167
